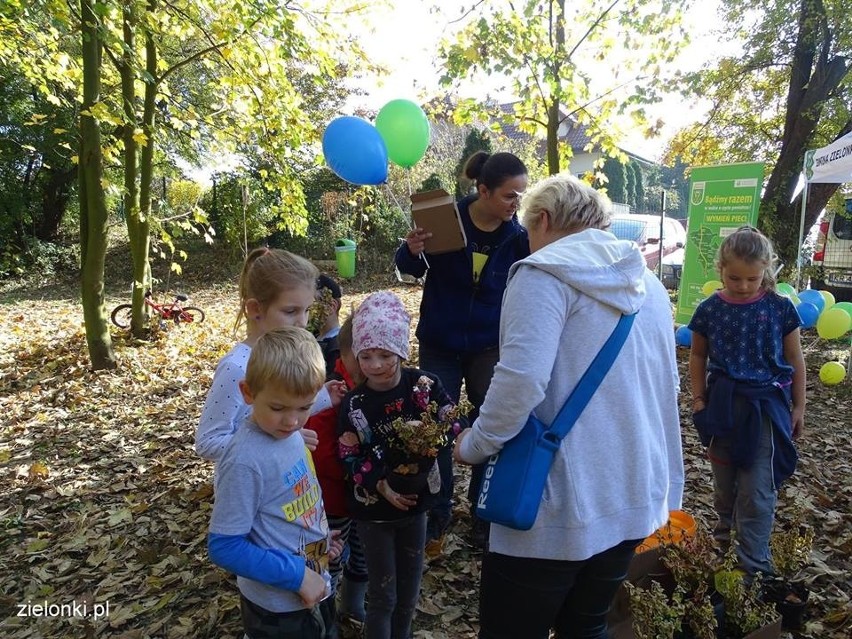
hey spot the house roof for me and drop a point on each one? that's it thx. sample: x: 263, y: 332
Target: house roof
x: 576, y: 136
x: 510, y: 129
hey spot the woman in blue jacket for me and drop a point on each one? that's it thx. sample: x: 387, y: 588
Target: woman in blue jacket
x: 458, y: 330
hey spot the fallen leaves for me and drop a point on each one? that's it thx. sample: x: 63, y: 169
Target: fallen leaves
x: 37, y: 471
x: 105, y: 501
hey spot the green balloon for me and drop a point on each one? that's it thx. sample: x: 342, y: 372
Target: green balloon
x: 785, y: 289
x: 405, y: 130
x: 846, y: 306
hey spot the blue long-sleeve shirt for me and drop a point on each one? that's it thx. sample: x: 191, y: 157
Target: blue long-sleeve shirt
x: 271, y: 566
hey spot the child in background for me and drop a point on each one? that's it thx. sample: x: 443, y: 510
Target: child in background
x: 329, y: 297
x: 349, y: 571
x: 391, y: 525
x: 268, y: 524
x: 276, y: 289
x: 748, y: 387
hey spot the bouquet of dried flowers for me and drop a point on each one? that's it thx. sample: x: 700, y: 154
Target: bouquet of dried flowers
x: 319, y: 311
x: 416, y: 443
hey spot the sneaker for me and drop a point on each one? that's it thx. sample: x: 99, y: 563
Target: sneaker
x: 351, y: 628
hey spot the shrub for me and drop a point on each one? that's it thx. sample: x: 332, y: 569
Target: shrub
x: 39, y: 260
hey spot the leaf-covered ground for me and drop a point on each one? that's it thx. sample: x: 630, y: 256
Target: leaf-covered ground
x: 104, y: 502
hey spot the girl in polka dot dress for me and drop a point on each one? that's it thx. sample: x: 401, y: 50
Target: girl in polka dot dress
x: 276, y: 289
x: 748, y: 387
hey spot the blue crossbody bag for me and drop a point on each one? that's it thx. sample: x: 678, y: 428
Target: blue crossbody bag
x: 514, y: 478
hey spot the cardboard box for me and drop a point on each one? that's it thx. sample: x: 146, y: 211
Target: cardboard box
x: 436, y: 212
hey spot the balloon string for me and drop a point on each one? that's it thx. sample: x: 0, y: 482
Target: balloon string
x: 395, y: 201
x: 809, y: 347
x: 410, y: 218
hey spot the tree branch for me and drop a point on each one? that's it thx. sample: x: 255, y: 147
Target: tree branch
x: 583, y: 107
x: 591, y: 28
x: 179, y: 216
x: 214, y: 46
x: 467, y: 13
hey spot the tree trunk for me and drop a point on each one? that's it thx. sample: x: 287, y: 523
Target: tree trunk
x: 93, y: 211
x: 137, y: 227
x: 141, y: 264
x: 54, y: 202
x: 814, y: 78
x: 553, y: 138
x: 557, y: 26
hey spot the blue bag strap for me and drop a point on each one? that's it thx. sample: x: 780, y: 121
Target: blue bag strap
x: 592, y: 378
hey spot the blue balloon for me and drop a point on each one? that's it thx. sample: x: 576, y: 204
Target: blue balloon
x: 355, y: 151
x: 814, y: 297
x: 808, y: 313
x: 683, y: 336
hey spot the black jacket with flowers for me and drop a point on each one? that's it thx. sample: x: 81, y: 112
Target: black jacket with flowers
x: 366, y: 435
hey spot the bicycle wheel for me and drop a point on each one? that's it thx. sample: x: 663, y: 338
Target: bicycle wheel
x: 122, y: 315
x: 190, y: 315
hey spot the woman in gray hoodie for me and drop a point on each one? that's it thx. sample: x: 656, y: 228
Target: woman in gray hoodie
x: 619, y: 471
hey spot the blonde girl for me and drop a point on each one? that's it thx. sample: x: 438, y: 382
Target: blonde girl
x: 276, y: 289
x: 747, y: 374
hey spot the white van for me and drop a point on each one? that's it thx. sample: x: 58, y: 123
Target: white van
x: 833, y: 254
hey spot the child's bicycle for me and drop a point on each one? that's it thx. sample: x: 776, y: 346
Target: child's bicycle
x: 175, y: 312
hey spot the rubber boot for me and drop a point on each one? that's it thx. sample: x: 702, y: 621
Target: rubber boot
x: 352, y: 595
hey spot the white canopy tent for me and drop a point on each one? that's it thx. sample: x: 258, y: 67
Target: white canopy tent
x: 831, y: 164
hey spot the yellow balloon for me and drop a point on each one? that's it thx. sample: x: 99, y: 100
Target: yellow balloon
x: 832, y: 373
x: 833, y: 323
x: 829, y: 300
x: 710, y: 286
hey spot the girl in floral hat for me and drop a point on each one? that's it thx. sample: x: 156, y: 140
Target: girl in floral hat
x: 391, y: 428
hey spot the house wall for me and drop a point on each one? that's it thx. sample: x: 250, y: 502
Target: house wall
x: 583, y: 162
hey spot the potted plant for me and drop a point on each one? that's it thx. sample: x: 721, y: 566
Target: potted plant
x: 693, y: 563
x: 747, y: 615
x: 713, y: 599
x: 655, y: 614
x: 704, y: 614
x: 413, y: 445
x: 791, y: 551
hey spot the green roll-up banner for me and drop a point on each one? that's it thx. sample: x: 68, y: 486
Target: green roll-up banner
x: 721, y: 199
